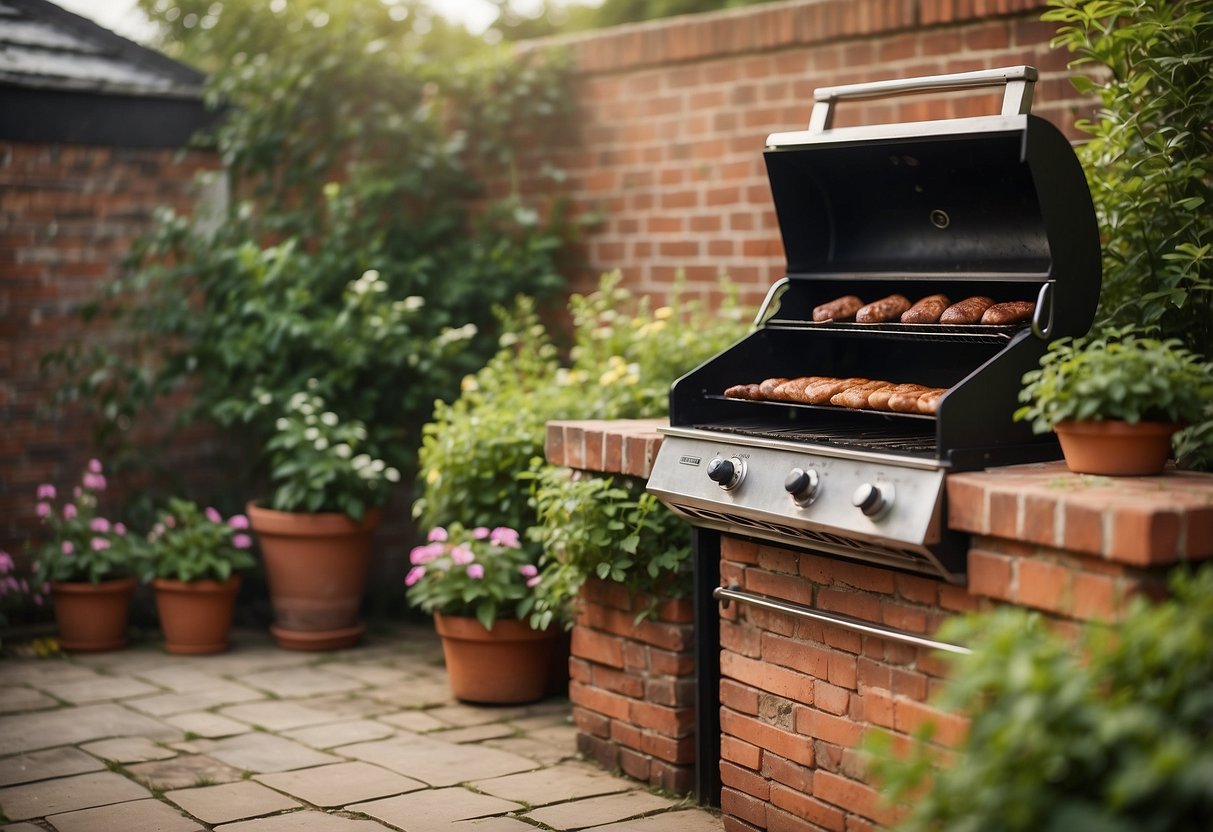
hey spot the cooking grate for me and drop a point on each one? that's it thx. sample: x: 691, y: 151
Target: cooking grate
x: 839, y: 434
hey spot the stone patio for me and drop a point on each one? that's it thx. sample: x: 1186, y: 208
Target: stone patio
x: 265, y: 740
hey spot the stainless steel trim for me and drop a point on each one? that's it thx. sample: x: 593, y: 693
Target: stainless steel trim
x: 802, y: 447
x: 1044, y: 303
x: 1017, y: 99
x: 777, y: 289
x: 726, y: 594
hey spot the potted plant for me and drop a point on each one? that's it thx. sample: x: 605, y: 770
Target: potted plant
x: 191, y: 563
x: 479, y: 586
x: 1115, y: 399
x: 316, y: 528
x: 89, y: 563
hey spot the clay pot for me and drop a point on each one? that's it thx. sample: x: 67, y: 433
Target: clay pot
x: 195, y: 616
x: 92, y: 617
x: 316, y: 567
x: 1115, y: 448
x: 507, y: 665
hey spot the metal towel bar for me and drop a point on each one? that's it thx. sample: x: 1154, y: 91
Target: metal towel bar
x: 725, y: 594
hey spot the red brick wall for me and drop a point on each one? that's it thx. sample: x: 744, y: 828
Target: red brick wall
x: 68, y: 217
x: 673, y: 115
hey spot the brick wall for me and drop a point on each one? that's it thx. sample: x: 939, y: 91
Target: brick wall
x: 672, y: 116
x: 68, y: 217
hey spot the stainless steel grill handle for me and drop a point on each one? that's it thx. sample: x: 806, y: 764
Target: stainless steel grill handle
x: 773, y: 294
x: 1042, y: 326
x: 725, y: 594
x: 1016, y: 100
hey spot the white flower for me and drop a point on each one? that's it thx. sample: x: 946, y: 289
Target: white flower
x: 378, y: 465
x: 282, y: 424
x: 311, y: 434
x: 369, y: 276
x: 361, y: 461
x: 413, y: 302
x: 391, y: 475
x: 265, y: 398
x: 321, y: 443
x: 360, y: 433
x: 343, y: 450
x: 297, y: 401
x: 312, y: 384
x: 329, y: 418
x: 306, y: 409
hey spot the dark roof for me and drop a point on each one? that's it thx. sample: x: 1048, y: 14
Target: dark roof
x: 64, y: 78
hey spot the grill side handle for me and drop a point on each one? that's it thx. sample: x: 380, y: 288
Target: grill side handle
x: 1017, y: 98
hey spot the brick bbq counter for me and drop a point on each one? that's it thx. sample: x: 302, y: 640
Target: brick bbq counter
x: 796, y: 695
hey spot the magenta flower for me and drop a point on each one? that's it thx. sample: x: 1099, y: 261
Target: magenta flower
x: 12, y: 583
x: 6, y: 561
x: 238, y: 521
x: 99, y: 544
x: 480, y: 533
x: 43, y: 510
x: 69, y: 511
x: 99, y: 524
x: 504, y: 536
x: 94, y: 482
x: 528, y: 570
x: 213, y: 514
x: 241, y: 541
x: 475, y: 571
x: 46, y: 491
x: 533, y: 582
x: 426, y: 553
x: 68, y: 547
x: 437, y: 535
x: 462, y: 555
x: 415, y: 574
x: 94, y: 466
x: 120, y: 529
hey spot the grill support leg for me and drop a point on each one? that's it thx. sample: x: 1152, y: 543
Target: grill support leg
x: 705, y: 552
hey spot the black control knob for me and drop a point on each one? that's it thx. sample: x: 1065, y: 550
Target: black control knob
x: 871, y: 499
x: 802, y: 485
x: 721, y: 471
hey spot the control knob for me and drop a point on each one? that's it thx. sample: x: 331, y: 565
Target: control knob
x: 802, y: 485
x: 873, y: 500
x: 727, y: 473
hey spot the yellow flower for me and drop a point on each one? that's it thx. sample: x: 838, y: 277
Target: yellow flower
x: 432, y: 476
x: 468, y: 384
x: 662, y: 312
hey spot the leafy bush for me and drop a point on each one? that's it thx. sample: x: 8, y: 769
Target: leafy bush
x: 188, y: 544
x: 1149, y: 161
x: 1115, y: 736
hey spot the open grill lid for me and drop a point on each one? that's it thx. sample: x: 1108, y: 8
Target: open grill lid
x: 993, y: 198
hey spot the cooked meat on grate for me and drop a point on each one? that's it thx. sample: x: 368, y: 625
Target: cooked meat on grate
x: 767, y: 386
x: 967, y: 311
x: 839, y: 309
x: 928, y: 403
x: 1015, y: 312
x: 885, y: 309
x: 926, y: 311
x: 879, y: 399
x: 792, y: 391
x: 743, y: 391
x: 856, y: 396
x: 824, y: 391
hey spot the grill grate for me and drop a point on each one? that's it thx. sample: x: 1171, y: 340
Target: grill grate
x: 839, y: 434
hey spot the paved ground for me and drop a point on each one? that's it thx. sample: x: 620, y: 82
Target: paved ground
x: 264, y: 740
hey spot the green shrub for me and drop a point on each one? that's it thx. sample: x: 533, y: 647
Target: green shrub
x: 1112, y: 734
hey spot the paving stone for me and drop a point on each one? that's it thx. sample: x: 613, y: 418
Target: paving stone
x: 476, y: 733
x: 43, y: 765
x: 50, y: 797
x: 277, y: 715
x: 544, y: 754
x: 99, y: 690
x: 689, y: 820
x: 206, y: 724
x: 48, y: 729
x: 419, y: 722
x: 340, y: 733
x: 465, y: 715
x: 497, y: 824
x: 135, y: 816
x: 416, y: 693
x: 231, y: 801
x: 183, y: 772
x: 129, y: 750
x: 596, y: 811
x: 261, y: 753
x: 351, y: 705
x: 306, y: 821
x: 299, y: 682
x: 37, y: 672
x: 200, y: 745
x: 434, y: 808
x: 27, y: 827
x: 554, y: 785
x: 369, y: 674
x: 14, y: 699
x: 179, y: 703
x: 184, y: 678
x: 340, y: 784
x: 438, y: 763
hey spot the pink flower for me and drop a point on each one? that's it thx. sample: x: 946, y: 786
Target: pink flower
x: 99, y: 544
x: 241, y: 541
x: 504, y: 536
x: 6, y: 561
x: 437, y: 535
x: 415, y: 574
x: 533, y: 582
x: 213, y: 514
x: 426, y: 553
x: 462, y: 555
x: 480, y: 532
x: 69, y: 511
x: 528, y: 570
x: 475, y: 571
x: 238, y: 521
x: 119, y: 529
x: 68, y: 547
x: 43, y: 510
x: 11, y: 583
x: 37, y: 600
x: 94, y: 482
x: 94, y: 465
x: 46, y: 491
x: 99, y: 524
x: 170, y: 521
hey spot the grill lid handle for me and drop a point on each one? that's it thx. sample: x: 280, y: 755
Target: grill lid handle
x: 1042, y: 326
x: 1017, y: 99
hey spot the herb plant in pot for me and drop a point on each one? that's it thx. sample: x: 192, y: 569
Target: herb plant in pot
x: 316, y: 528
x: 479, y: 585
x: 192, y: 560
x: 1116, y: 399
x: 89, y: 563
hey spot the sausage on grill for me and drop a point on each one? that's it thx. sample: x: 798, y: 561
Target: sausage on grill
x: 743, y: 391
x: 926, y: 311
x: 1015, y: 312
x: 823, y: 391
x: 856, y: 396
x: 885, y: 309
x: 928, y: 403
x: 839, y: 309
x: 968, y: 311
x: 767, y: 387
x: 879, y: 399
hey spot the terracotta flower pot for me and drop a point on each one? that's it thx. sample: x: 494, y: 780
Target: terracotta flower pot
x: 316, y: 566
x: 507, y: 665
x: 1115, y: 448
x: 92, y: 617
x: 195, y: 616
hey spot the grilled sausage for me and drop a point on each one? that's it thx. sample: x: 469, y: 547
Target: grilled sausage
x: 742, y: 391
x: 793, y: 391
x: 839, y: 309
x: 767, y: 386
x: 885, y: 309
x: 1015, y: 312
x: 926, y: 311
x: 823, y: 391
x: 968, y: 311
x: 928, y: 403
x: 879, y: 399
x: 856, y: 397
